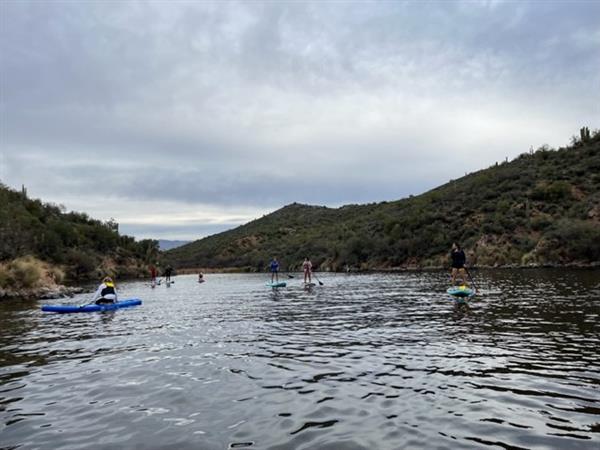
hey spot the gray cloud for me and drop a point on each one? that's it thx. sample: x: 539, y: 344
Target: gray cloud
x: 251, y: 105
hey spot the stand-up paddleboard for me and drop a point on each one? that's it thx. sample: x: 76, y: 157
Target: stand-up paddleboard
x: 277, y: 284
x: 309, y: 285
x: 91, y: 308
x: 460, y: 292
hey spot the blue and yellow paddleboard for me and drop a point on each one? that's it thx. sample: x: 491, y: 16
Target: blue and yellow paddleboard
x: 460, y: 292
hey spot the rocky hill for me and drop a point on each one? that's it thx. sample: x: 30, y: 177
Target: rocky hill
x: 542, y: 208
x: 71, y: 244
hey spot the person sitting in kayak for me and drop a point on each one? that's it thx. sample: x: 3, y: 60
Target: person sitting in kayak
x: 200, y: 277
x: 458, y: 264
x: 168, y: 272
x: 274, y: 266
x: 307, y: 268
x: 106, y: 292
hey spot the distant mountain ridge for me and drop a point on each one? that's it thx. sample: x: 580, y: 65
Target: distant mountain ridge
x: 542, y: 208
x: 166, y: 244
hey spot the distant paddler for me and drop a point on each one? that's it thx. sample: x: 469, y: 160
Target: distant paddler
x: 274, y: 268
x: 168, y: 272
x: 458, y: 264
x: 201, y: 278
x: 153, y: 274
x: 307, y: 268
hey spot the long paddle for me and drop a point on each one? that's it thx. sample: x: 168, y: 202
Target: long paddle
x: 86, y: 304
x: 317, y: 278
x: 471, y: 278
x: 94, y: 302
x: 313, y: 274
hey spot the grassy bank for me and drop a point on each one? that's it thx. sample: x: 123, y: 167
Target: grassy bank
x: 29, y: 277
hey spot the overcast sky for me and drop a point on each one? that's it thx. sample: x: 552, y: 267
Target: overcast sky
x: 180, y: 119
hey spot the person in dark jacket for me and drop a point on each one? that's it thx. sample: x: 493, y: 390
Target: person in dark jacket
x: 458, y: 264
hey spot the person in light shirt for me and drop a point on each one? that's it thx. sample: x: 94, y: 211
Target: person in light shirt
x: 307, y: 268
x: 106, y: 292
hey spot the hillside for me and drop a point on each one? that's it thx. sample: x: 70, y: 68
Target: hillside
x: 78, y: 246
x: 542, y: 208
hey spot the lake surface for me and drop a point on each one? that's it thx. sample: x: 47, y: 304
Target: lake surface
x: 383, y: 361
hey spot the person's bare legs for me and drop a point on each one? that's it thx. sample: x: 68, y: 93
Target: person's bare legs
x: 463, y: 276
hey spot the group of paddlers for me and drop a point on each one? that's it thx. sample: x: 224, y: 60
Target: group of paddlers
x: 306, y: 268
x: 107, y: 292
x: 154, y: 274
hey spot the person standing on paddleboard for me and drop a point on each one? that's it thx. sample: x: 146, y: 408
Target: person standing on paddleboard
x: 307, y: 268
x: 458, y: 263
x: 168, y: 272
x: 153, y: 273
x: 274, y: 267
x: 106, y: 292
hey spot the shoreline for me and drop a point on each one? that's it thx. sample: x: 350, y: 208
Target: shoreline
x: 41, y: 293
x: 63, y: 291
x: 225, y: 270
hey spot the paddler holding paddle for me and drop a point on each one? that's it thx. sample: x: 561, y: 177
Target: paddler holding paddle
x: 153, y: 273
x: 307, y: 269
x: 458, y: 264
x: 106, y: 292
x: 274, y: 267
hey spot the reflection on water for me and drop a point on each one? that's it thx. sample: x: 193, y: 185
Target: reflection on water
x: 380, y: 361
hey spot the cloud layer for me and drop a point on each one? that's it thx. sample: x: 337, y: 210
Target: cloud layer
x: 216, y: 113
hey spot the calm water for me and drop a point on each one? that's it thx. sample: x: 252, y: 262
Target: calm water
x: 363, y: 362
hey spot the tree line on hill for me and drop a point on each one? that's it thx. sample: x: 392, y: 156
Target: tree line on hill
x: 83, y: 247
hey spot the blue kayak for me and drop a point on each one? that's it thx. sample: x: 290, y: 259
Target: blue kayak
x: 277, y: 284
x: 91, y: 308
x: 460, y: 291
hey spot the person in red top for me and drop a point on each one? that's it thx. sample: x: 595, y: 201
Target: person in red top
x: 153, y: 273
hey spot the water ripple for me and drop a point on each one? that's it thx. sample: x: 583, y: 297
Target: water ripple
x: 380, y: 361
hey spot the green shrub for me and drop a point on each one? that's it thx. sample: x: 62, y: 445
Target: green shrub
x: 81, y: 263
x: 554, y: 192
x: 577, y: 239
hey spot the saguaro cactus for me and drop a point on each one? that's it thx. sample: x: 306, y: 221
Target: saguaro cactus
x: 585, y: 134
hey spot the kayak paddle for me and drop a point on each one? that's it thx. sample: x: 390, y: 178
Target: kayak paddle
x: 316, y: 278
x: 471, y: 278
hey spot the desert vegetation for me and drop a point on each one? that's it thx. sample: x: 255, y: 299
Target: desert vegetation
x: 542, y: 208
